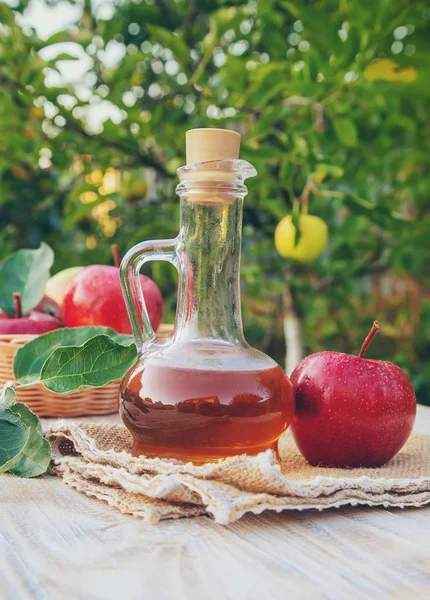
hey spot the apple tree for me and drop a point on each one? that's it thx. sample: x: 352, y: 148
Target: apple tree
x: 331, y: 98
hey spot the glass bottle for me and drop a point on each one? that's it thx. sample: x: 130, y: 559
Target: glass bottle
x: 203, y: 393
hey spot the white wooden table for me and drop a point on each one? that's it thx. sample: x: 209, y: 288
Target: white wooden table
x: 56, y: 543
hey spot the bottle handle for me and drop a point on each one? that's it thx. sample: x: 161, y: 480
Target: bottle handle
x: 131, y: 264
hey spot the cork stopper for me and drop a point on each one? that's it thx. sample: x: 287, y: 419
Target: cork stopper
x: 209, y: 144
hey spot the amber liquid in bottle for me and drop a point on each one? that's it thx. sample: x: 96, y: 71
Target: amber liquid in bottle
x: 203, y: 393
x: 199, y: 415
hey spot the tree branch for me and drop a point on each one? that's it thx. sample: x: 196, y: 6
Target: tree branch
x: 193, y: 11
x: 317, y: 109
x: 293, y: 334
x: 72, y: 124
x: 145, y: 160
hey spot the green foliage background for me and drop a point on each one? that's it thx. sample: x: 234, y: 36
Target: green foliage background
x: 291, y: 77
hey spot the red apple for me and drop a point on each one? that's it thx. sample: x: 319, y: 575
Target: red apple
x: 94, y: 297
x: 35, y: 323
x: 49, y: 306
x: 351, y: 411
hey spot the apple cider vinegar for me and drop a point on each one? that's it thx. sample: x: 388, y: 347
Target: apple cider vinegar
x: 203, y: 393
x: 198, y: 415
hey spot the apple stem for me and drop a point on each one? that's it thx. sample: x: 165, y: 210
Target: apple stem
x: 115, y: 254
x: 17, y: 303
x: 369, y: 339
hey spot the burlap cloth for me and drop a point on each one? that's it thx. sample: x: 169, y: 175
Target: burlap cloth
x: 95, y: 459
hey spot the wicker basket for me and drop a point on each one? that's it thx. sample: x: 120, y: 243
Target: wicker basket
x: 91, y: 401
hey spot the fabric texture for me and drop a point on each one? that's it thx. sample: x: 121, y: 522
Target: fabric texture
x: 95, y: 459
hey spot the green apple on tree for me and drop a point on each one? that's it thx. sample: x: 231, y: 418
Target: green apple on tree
x: 135, y: 186
x: 311, y: 243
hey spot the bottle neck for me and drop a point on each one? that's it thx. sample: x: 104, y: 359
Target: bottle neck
x: 209, y: 245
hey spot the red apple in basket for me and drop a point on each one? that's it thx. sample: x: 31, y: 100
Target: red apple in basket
x: 351, y: 411
x: 94, y: 297
x: 42, y: 318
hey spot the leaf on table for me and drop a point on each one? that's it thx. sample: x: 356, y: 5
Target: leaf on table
x: 98, y: 362
x: 7, y: 395
x: 23, y: 449
x: 26, y: 272
x: 30, y: 358
x: 13, y: 438
x: 36, y: 454
x: 13, y: 433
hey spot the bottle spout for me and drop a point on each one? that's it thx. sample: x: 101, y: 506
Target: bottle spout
x: 215, y: 171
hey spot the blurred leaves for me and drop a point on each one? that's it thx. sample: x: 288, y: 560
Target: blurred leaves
x: 346, y: 132
x: 339, y: 108
x: 171, y: 40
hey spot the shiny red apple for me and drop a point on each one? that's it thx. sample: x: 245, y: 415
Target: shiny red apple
x: 94, y: 297
x: 36, y: 322
x: 49, y: 306
x: 351, y: 411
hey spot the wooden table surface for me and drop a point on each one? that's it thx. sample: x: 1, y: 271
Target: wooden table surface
x: 56, y: 543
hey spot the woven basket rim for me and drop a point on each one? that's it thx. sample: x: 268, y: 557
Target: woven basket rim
x: 90, y: 401
x: 21, y: 338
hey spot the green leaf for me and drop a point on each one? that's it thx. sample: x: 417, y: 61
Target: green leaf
x: 36, y: 454
x: 323, y: 170
x: 227, y: 17
x: 380, y: 215
x: 80, y: 212
x: 346, y: 132
x: 23, y: 449
x: 292, y: 8
x: 276, y: 207
x: 210, y: 39
x: 286, y: 171
x: 7, y: 396
x: 64, y: 56
x: 295, y: 220
x: 171, y: 40
x: 60, y: 36
x: 98, y: 362
x: 26, y: 272
x: 279, y: 89
x: 30, y: 358
x: 13, y: 433
x: 314, y: 64
x: 6, y: 15
x: 13, y: 439
x: 352, y: 45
